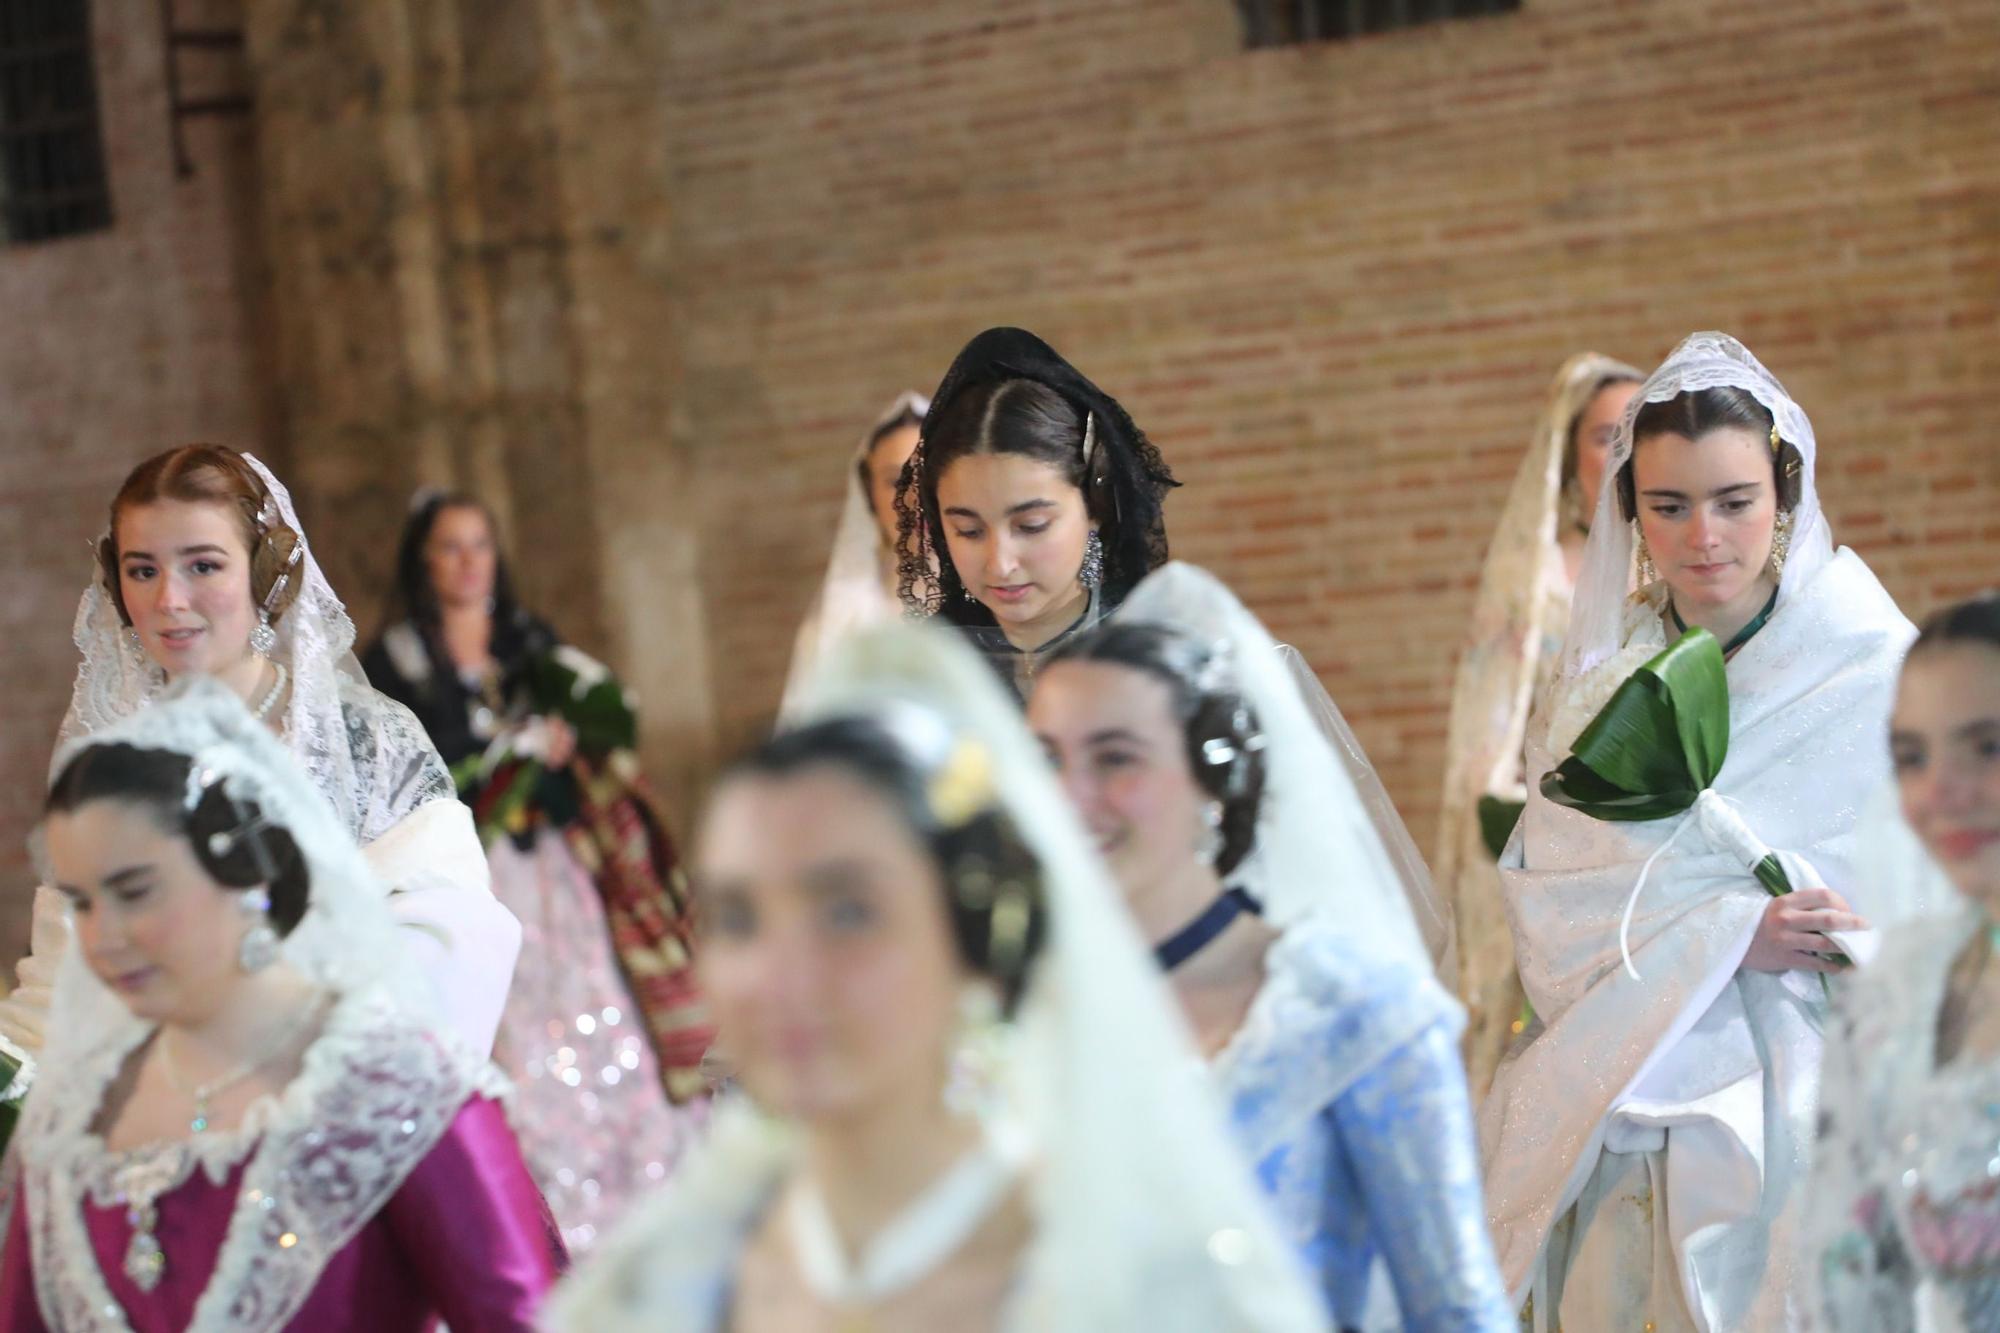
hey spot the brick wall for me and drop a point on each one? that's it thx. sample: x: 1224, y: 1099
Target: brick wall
x: 112, y: 346
x: 466, y: 209
x: 1332, y: 282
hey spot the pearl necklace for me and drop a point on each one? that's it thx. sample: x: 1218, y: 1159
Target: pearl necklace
x: 270, y: 699
x: 915, y: 1241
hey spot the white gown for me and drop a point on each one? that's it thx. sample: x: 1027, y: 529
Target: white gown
x: 1645, y: 1148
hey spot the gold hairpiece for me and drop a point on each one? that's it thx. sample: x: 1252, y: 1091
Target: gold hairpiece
x: 1775, y: 441
x: 962, y: 786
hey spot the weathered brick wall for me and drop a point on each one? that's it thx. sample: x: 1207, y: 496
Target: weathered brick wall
x: 1332, y: 282
x: 113, y: 345
x: 466, y: 210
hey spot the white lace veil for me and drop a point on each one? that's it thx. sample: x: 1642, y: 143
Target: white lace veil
x: 1702, y: 361
x: 115, y: 679
x: 1328, y: 837
x: 377, y: 1087
x: 1144, y: 1217
x: 347, y: 940
x: 860, y: 583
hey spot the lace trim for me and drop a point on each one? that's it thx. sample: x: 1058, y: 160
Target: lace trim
x: 391, y: 1088
x: 1579, y: 699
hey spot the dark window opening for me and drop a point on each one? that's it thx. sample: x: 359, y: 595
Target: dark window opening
x: 1289, y: 22
x: 52, y: 178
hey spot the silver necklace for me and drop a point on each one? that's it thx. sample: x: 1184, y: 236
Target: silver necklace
x: 142, y: 1182
x: 205, y: 1093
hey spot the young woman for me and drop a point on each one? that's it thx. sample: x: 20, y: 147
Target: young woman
x: 1646, y: 1147
x: 860, y: 584
x: 968, y: 1104
x: 205, y: 570
x: 1032, y: 505
x: 247, y: 1118
x: 1905, y: 1220
x: 603, y: 1020
x: 1510, y: 656
x: 1250, y: 862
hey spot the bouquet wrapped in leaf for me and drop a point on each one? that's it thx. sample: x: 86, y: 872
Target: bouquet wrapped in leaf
x: 1653, y: 752
x: 563, y: 684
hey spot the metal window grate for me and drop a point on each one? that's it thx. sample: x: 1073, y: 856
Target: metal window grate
x: 1289, y: 22
x: 52, y: 178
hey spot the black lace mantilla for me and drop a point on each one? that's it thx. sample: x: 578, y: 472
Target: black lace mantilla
x: 1127, y: 495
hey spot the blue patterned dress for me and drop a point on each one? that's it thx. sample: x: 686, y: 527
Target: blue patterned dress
x: 1345, y: 1086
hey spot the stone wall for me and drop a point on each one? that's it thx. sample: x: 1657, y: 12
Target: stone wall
x: 114, y: 345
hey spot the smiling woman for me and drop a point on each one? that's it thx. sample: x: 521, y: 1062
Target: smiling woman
x: 1032, y: 505
x: 204, y: 570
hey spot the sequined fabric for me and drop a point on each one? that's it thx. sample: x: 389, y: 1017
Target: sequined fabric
x: 592, y: 1115
x: 1345, y: 1087
x: 1711, y: 1065
x: 1906, y: 1187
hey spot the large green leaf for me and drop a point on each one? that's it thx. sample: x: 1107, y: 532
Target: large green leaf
x: 1634, y: 742
x: 1657, y: 743
x: 1575, y: 786
x: 1695, y: 677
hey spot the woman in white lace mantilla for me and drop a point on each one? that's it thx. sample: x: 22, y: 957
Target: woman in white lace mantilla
x: 1646, y: 1147
x: 861, y: 572
x: 1904, y: 1231
x: 1510, y: 656
x: 970, y: 1105
x: 248, y: 1117
x: 205, y: 570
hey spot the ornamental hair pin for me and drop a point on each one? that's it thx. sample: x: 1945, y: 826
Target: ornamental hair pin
x: 1775, y: 441
x: 962, y: 786
x: 291, y: 564
x: 1090, y: 449
x: 1217, y: 671
x: 200, y: 778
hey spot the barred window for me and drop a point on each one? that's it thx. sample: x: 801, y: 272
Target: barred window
x: 1289, y: 22
x: 52, y: 179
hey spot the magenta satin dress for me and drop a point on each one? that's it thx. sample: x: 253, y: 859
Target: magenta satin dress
x: 466, y: 1238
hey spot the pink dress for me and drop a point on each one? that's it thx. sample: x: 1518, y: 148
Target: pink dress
x: 460, y: 1233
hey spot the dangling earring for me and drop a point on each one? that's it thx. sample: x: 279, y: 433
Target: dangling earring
x: 1781, y: 542
x: 1647, y: 574
x: 1091, y: 573
x: 976, y: 1075
x: 259, y: 947
x: 1210, y: 847
x: 263, y: 639
x: 132, y: 640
